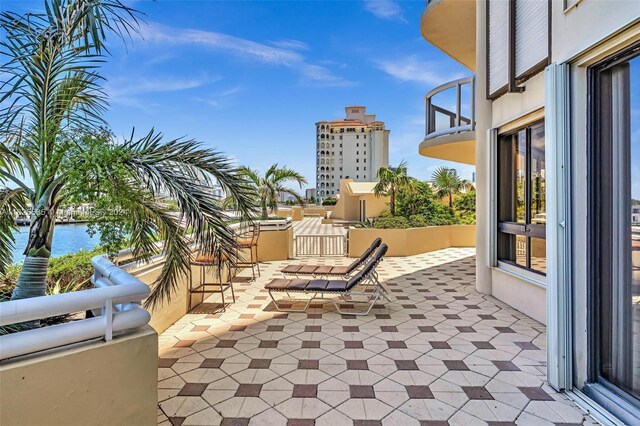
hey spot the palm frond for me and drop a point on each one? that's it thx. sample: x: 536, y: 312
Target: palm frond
x: 12, y: 203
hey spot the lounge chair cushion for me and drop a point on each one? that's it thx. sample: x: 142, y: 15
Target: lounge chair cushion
x: 323, y: 270
x: 292, y: 269
x: 317, y: 285
x: 307, y: 269
x: 283, y: 284
x: 336, y: 285
x: 338, y: 270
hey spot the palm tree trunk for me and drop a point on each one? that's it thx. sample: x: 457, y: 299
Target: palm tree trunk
x: 32, y: 281
x: 392, y: 202
x: 265, y: 213
x: 450, y: 200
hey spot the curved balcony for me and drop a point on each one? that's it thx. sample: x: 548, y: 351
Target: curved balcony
x: 449, y: 134
x: 450, y: 25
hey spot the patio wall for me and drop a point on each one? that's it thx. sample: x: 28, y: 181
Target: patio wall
x: 411, y: 241
x: 96, y: 383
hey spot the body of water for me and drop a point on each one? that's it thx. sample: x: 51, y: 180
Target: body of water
x: 66, y: 239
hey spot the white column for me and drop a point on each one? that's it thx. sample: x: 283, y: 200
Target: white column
x: 483, y: 168
x: 557, y: 124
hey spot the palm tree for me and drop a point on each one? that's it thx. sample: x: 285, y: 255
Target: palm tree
x: 391, y: 181
x: 448, y: 183
x: 269, y: 187
x: 52, y: 154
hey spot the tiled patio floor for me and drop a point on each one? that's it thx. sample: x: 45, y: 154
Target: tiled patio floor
x: 438, y: 353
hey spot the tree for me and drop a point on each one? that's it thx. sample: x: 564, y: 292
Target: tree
x: 391, y: 181
x: 269, y: 187
x: 330, y: 201
x: 448, y: 183
x: 465, y: 207
x: 55, y: 152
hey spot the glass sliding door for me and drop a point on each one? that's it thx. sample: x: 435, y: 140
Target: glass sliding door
x: 615, y: 246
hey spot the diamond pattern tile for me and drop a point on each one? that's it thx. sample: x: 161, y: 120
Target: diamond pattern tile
x: 439, y: 353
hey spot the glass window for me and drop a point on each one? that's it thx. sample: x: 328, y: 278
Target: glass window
x: 615, y: 242
x: 521, y: 198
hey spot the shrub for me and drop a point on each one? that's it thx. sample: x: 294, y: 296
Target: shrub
x: 74, y: 267
x: 66, y: 273
x: 329, y: 201
x: 465, y: 208
x: 395, y: 222
x: 418, y: 221
x: 440, y: 214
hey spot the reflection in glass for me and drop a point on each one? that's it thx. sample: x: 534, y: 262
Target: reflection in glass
x: 539, y: 255
x: 521, y: 176
x: 538, y: 187
x: 619, y: 241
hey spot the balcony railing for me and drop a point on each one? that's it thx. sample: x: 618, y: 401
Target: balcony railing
x: 457, y: 123
x: 116, y: 297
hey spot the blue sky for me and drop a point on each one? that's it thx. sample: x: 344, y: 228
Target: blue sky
x: 251, y: 78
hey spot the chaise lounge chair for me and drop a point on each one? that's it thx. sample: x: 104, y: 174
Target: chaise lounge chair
x: 332, y: 271
x: 342, y: 288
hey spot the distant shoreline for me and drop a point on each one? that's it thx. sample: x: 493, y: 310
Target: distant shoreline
x: 25, y: 222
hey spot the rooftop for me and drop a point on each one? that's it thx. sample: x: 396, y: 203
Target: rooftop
x: 439, y: 351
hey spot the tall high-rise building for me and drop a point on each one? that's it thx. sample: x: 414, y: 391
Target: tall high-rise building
x: 355, y: 147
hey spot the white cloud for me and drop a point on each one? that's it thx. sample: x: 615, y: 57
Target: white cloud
x: 385, y: 9
x: 245, y: 49
x: 291, y: 44
x: 219, y: 99
x: 128, y: 91
x: 415, y: 70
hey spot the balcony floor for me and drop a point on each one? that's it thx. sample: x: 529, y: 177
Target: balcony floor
x: 439, y: 352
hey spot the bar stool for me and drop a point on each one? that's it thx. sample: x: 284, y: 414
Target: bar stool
x: 248, y: 239
x: 204, y: 287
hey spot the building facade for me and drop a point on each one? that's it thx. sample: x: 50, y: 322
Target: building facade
x: 352, y: 148
x: 553, y: 128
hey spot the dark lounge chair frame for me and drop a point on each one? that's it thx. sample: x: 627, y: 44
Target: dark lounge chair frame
x: 367, y: 276
x: 325, y: 271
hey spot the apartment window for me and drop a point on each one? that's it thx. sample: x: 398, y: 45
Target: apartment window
x: 518, y: 43
x: 357, y: 160
x: 333, y: 145
x: 357, y: 152
x: 365, y: 160
x: 333, y: 137
x: 365, y: 136
x: 357, y: 168
x: 521, y: 199
x: 340, y: 139
x: 365, y: 169
x: 365, y: 153
x: 354, y: 111
x: 614, y: 243
x: 357, y: 136
x: 362, y: 129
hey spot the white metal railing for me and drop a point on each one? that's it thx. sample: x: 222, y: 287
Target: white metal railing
x: 116, y: 295
x: 457, y: 122
x: 320, y: 245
